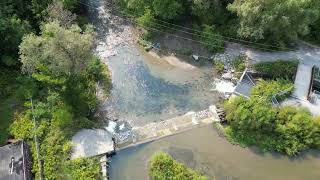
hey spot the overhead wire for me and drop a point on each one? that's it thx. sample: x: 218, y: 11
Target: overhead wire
x: 196, y: 34
x: 158, y: 30
x: 231, y: 39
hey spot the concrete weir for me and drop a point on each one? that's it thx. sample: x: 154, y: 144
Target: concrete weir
x: 102, y: 143
x: 97, y: 142
x: 157, y: 130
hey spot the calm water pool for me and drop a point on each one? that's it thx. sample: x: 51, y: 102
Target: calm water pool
x: 203, y: 150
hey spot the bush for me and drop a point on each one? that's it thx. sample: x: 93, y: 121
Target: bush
x: 85, y: 169
x: 268, y: 89
x: 279, y: 69
x: 255, y: 121
x: 218, y: 65
x: 239, y: 63
x: 147, y: 19
x: 163, y: 167
x: 212, y: 39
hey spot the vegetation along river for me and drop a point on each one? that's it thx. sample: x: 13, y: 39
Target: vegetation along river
x: 146, y: 89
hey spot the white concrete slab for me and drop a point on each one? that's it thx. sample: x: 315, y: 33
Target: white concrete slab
x: 91, y: 142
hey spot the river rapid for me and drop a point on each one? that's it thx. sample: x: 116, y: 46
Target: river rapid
x: 147, y: 89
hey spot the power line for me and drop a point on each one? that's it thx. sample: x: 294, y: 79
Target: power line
x: 224, y: 37
x: 199, y: 35
x: 235, y: 39
x: 190, y: 39
x: 158, y: 30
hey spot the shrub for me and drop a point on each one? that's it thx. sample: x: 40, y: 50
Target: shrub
x: 255, y: 121
x: 212, y: 39
x: 239, y: 63
x: 278, y: 69
x: 147, y: 19
x: 85, y: 169
x: 268, y: 89
x: 163, y: 166
x: 218, y: 65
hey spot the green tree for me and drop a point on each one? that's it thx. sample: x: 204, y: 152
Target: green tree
x: 39, y: 7
x: 168, y: 9
x: 56, y: 11
x: 12, y: 29
x: 213, y: 40
x: 147, y: 19
x: 85, y: 169
x: 210, y: 11
x: 267, y: 89
x: 62, y: 51
x: 275, y: 21
x: 163, y: 166
x: 255, y: 121
x: 138, y: 6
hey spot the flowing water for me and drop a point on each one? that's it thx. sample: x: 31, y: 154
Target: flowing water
x: 203, y: 150
x: 147, y: 89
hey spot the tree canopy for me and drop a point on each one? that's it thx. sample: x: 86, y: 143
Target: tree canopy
x: 60, y: 50
x: 163, y: 166
x: 278, y: 22
x: 255, y: 121
x: 60, y: 74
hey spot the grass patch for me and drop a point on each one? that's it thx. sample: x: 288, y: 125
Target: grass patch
x: 239, y: 63
x: 279, y: 69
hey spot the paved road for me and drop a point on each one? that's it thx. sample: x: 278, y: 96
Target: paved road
x: 307, y: 54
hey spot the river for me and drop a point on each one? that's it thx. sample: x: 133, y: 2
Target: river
x: 204, y: 150
x: 147, y: 89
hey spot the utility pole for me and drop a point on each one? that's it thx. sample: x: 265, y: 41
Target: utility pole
x: 35, y: 138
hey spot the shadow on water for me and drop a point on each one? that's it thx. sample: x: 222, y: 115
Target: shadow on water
x: 304, y: 155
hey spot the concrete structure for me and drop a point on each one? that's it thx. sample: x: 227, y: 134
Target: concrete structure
x: 96, y: 142
x: 15, y: 162
x: 245, y: 84
x: 302, y: 81
x: 92, y: 142
x: 157, y: 130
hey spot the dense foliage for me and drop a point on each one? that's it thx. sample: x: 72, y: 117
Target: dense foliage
x: 269, y: 22
x: 163, y: 166
x: 212, y: 39
x: 268, y: 89
x: 239, y: 63
x: 278, y: 69
x: 255, y: 121
x: 85, y: 169
x: 278, y: 22
x: 57, y: 69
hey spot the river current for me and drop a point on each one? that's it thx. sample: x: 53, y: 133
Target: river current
x: 147, y: 89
